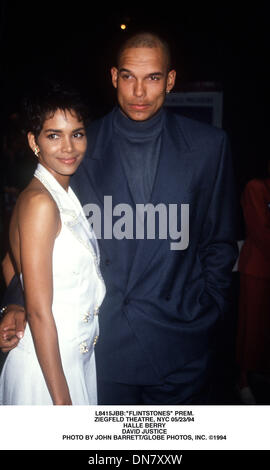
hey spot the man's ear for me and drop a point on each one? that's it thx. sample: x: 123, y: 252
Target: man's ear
x: 114, y: 74
x: 170, y: 80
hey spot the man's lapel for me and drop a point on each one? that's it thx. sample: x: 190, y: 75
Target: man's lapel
x: 106, y: 178
x: 173, y: 178
x: 103, y: 165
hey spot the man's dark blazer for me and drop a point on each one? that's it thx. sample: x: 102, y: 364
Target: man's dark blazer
x: 162, y: 307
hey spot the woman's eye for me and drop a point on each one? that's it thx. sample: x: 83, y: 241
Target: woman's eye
x: 78, y: 135
x: 53, y: 136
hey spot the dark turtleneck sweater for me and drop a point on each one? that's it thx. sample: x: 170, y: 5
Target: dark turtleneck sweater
x: 139, y: 145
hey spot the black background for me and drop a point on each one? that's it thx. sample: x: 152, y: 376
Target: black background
x: 227, y: 43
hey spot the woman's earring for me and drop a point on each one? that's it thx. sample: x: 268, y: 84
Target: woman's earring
x: 36, y: 152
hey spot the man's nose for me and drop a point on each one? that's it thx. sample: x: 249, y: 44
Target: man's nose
x: 139, y: 89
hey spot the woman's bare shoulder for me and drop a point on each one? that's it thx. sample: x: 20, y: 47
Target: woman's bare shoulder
x: 36, y: 200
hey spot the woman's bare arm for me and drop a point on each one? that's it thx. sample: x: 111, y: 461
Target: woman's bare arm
x: 38, y: 225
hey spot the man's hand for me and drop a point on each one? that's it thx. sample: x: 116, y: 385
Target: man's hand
x: 12, y: 327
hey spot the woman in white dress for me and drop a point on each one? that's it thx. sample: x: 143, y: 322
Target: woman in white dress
x: 56, y: 254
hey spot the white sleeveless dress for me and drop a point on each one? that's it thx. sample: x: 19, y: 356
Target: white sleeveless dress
x: 78, y: 291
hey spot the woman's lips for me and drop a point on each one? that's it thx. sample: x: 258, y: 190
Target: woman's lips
x: 68, y: 161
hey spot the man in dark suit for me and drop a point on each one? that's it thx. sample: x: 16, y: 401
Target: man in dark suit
x: 166, y: 297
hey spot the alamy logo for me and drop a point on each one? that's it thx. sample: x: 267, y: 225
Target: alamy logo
x: 146, y: 222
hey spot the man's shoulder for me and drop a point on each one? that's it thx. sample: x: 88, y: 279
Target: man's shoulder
x: 98, y: 131
x: 195, y: 130
x: 96, y: 124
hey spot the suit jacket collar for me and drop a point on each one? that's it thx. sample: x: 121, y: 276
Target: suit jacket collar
x: 100, y: 146
x: 106, y: 172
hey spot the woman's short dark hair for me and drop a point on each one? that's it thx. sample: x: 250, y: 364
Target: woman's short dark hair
x: 41, y: 104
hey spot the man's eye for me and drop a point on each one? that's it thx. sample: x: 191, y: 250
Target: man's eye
x: 126, y: 76
x: 154, y: 77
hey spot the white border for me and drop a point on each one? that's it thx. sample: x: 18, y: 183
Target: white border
x: 43, y: 428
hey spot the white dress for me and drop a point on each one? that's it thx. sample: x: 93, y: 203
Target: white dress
x: 78, y: 291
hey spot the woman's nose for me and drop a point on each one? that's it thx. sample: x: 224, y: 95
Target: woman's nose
x: 67, y: 145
